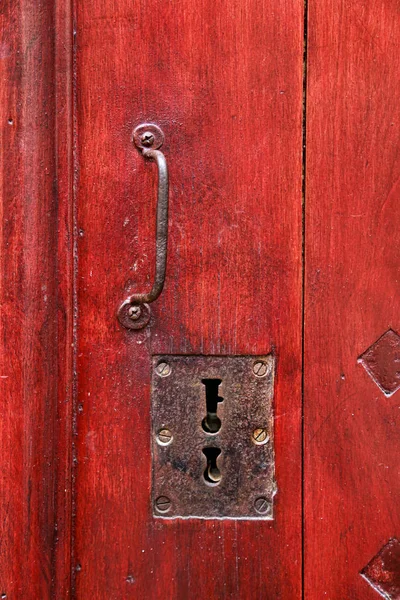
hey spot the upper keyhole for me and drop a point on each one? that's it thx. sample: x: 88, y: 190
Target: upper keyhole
x: 211, y: 422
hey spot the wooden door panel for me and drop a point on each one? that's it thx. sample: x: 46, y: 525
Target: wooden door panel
x: 35, y: 301
x: 224, y: 81
x: 351, y: 293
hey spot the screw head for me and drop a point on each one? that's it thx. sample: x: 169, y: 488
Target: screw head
x: 164, y: 437
x: 262, y: 505
x: 162, y: 504
x: 260, y: 436
x: 147, y: 138
x: 134, y: 312
x: 163, y: 369
x: 261, y: 368
x: 148, y: 135
x: 133, y: 316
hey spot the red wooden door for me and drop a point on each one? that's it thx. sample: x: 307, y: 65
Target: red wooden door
x: 280, y: 126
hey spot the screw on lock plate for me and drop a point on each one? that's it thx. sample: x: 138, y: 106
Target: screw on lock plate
x: 260, y: 435
x: 162, y: 504
x: 164, y: 437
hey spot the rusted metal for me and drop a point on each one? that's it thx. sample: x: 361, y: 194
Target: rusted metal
x: 163, y: 369
x: 134, y: 313
x: 147, y: 139
x: 382, y: 362
x: 260, y: 435
x: 225, y: 469
x: 162, y: 504
x: 383, y: 572
x: 164, y: 437
x: 261, y: 368
x: 262, y: 505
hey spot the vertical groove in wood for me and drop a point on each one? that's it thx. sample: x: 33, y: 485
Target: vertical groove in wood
x: 64, y: 132
x: 34, y: 300
x: 75, y: 284
x: 303, y: 271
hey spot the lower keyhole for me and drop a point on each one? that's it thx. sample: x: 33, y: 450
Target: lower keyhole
x: 212, y: 474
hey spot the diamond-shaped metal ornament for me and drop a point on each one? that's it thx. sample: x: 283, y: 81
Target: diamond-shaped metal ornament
x: 382, y: 362
x: 383, y: 572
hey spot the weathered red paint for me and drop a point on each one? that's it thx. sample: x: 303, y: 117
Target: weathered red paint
x: 352, y: 239
x: 224, y: 81
x: 35, y: 300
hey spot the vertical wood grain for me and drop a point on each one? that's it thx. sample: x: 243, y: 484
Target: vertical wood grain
x: 34, y: 303
x: 66, y: 242
x: 352, y: 486
x: 224, y: 81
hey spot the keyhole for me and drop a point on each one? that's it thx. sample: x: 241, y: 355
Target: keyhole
x: 212, y: 474
x: 211, y: 422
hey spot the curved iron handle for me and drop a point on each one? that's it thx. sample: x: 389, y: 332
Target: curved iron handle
x: 134, y: 312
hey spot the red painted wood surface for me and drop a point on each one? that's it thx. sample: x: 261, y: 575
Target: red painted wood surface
x: 224, y: 81
x: 35, y: 300
x: 352, y: 487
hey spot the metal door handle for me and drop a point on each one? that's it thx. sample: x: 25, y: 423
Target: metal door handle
x: 134, y: 312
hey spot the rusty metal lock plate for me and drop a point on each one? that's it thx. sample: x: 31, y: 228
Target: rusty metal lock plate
x: 212, y: 437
